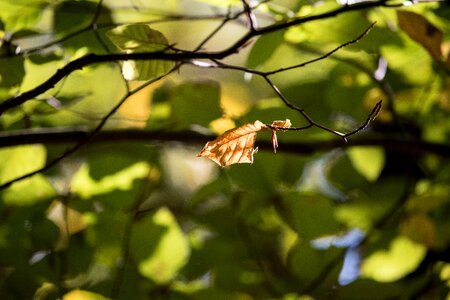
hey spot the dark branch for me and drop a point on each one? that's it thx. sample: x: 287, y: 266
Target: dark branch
x: 89, y: 136
x: 177, y: 56
x: 251, y: 19
x: 326, y: 55
x: 53, y: 136
x: 311, y: 122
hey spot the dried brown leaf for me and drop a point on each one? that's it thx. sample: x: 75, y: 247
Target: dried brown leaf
x: 422, y: 31
x: 278, y: 125
x: 235, y: 146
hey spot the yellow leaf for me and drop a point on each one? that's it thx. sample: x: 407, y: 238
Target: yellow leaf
x: 78, y: 294
x: 368, y: 161
x: 281, y: 124
x: 402, y: 257
x: 235, y: 146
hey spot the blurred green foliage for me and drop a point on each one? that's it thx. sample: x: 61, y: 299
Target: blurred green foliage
x: 149, y: 220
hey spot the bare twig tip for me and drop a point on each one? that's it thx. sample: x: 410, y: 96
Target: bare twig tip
x: 376, y: 110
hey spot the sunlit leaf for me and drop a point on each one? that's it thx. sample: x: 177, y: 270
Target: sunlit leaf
x: 235, y: 146
x: 419, y: 29
x: 83, y: 295
x: 222, y: 3
x: 68, y: 220
x: 372, y: 202
x: 28, y: 191
x: 368, y: 161
x: 402, y: 257
x: 18, y: 161
x: 20, y: 14
x: 45, y: 290
x: 146, y: 219
x: 86, y: 186
x: 168, y: 254
x: 140, y: 38
x: 137, y: 37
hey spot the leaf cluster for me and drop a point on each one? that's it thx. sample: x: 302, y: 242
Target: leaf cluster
x: 105, y: 104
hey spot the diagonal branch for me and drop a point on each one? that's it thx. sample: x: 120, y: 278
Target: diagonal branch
x: 90, y: 135
x: 180, y: 56
x: 251, y: 19
x: 326, y: 55
x: 311, y: 122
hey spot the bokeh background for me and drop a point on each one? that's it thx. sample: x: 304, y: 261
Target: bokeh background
x: 144, y: 218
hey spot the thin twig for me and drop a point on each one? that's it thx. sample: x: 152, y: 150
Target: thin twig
x: 373, y: 114
x: 125, y: 243
x: 88, y: 27
x: 311, y: 122
x: 95, y: 26
x: 378, y: 225
x: 175, y: 56
x: 55, y: 136
x: 326, y: 55
x: 251, y: 19
x: 87, y: 138
x: 103, y: 121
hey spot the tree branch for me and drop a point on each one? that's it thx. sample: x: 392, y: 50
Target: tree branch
x: 311, y: 122
x: 89, y: 136
x: 75, y: 135
x: 91, y: 59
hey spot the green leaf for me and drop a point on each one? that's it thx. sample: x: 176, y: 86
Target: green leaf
x: 187, y: 98
x: 86, y: 186
x: 137, y: 38
x: 83, y: 295
x: 368, y: 161
x: 222, y: 3
x: 402, y: 257
x: 43, y: 58
x: 145, y: 70
x: 21, y: 14
x: 160, y: 247
x: 263, y: 49
x: 12, y: 71
x: 18, y: 161
x: 28, y: 191
x: 372, y: 202
x: 309, y: 215
x: 140, y: 38
x: 408, y: 67
x: 70, y: 16
x: 330, y: 30
x: 75, y: 16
